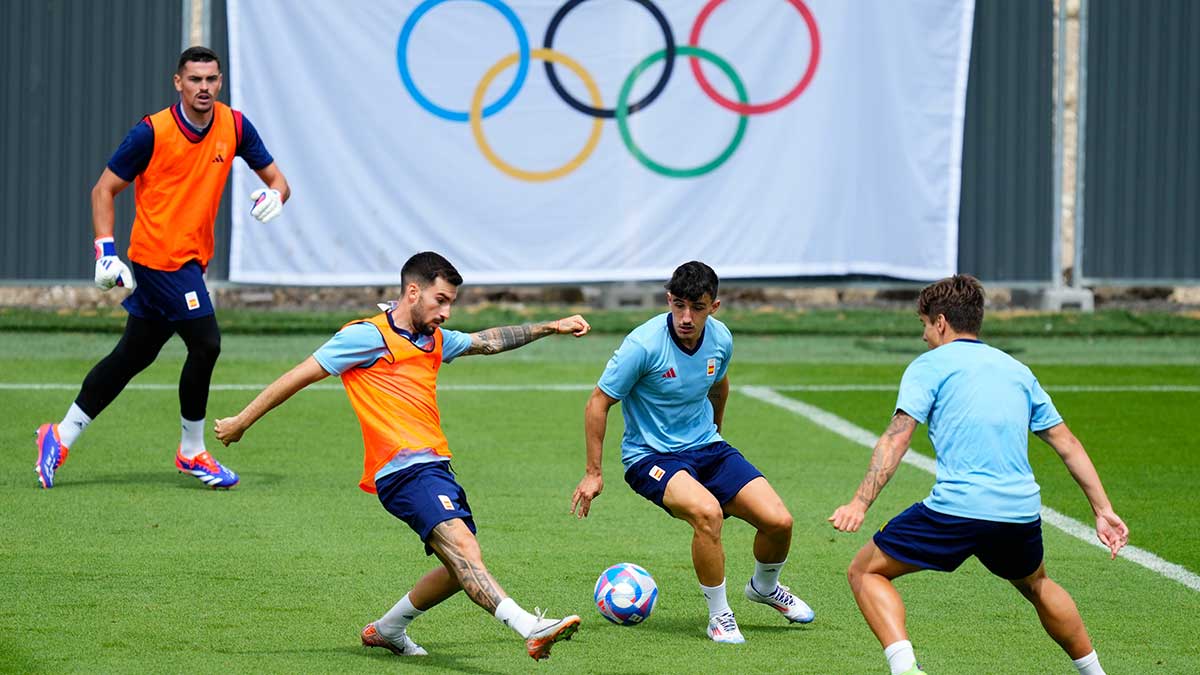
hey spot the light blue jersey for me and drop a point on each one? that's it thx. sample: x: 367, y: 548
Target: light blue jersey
x: 980, y: 405
x: 663, y: 389
x: 359, y: 345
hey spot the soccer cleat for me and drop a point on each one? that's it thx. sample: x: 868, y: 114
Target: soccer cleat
x: 51, y: 454
x: 791, y: 607
x: 208, y: 470
x: 371, y: 637
x: 723, y: 628
x: 548, y: 631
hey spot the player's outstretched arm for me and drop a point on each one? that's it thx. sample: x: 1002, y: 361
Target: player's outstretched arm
x: 595, y: 421
x: 230, y: 429
x: 504, y: 338
x: 1111, y: 530
x: 889, y: 450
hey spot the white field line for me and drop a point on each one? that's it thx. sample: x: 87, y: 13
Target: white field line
x: 1073, y: 527
x: 1070, y: 388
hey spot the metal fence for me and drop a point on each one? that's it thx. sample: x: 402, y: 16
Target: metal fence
x: 80, y: 74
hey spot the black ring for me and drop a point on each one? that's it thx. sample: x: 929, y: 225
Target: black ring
x: 609, y: 113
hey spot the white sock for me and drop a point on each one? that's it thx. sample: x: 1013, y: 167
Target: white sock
x: 1089, y: 665
x: 766, y: 576
x: 900, y: 656
x: 715, y: 595
x: 72, y: 425
x: 511, y: 615
x: 191, y: 441
x: 392, y: 624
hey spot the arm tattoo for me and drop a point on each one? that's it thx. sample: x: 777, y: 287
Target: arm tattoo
x: 885, y: 459
x: 496, y: 340
x: 474, y: 578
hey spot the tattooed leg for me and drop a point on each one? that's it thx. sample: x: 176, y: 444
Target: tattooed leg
x: 458, y: 550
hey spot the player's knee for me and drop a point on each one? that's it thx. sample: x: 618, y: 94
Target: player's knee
x: 206, y: 348
x: 778, y: 523
x: 707, y: 518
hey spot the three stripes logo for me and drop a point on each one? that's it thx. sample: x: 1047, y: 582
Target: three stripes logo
x: 669, y: 374
x: 218, y: 159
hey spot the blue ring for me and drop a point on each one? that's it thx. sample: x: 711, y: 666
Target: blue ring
x: 454, y: 115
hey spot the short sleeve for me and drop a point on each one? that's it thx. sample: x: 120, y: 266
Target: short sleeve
x: 728, y: 339
x: 918, y: 389
x: 252, y: 149
x: 624, y: 369
x: 1042, y: 413
x: 355, y: 345
x: 133, y: 155
x: 454, y: 344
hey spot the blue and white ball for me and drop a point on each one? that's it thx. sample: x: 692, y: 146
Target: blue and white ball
x: 625, y: 594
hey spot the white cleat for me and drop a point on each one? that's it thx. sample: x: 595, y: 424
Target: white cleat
x: 548, y: 631
x: 792, y: 608
x: 723, y: 628
x: 371, y: 637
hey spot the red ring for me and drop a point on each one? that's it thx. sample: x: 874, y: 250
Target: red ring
x: 758, y: 108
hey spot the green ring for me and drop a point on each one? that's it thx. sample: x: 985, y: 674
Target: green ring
x: 622, y: 115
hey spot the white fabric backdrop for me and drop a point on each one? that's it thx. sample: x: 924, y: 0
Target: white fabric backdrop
x: 859, y: 174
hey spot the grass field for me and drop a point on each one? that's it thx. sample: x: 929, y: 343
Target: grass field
x: 128, y: 566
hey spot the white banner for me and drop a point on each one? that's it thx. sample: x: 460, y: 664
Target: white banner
x: 768, y: 138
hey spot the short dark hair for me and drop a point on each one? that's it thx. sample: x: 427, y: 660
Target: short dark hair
x: 958, y: 298
x: 200, y: 54
x: 692, y: 280
x: 424, y: 268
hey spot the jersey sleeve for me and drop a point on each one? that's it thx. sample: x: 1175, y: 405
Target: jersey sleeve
x: 624, y: 369
x: 918, y: 390
x: 133, y: 155
x: 728, y: 350
x: 251, y: 147
x: 355, y: 345
x: 454, y: 344
x: 1042, y: 413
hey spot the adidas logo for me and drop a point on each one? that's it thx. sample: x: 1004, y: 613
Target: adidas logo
x: 218, y: 160
x: 669, y: 374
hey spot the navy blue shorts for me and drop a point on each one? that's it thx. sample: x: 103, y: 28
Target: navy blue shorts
x: 169, y: 296
x: 926, y: 538
x: 424, y: 495
x: 719, y: 467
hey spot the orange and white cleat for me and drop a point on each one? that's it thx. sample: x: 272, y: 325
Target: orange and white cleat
x: 371, y: 637
x: 548, y: 631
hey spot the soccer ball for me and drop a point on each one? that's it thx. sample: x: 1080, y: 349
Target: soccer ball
x: 625, y: 594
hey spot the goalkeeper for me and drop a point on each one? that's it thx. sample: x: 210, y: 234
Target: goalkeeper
x: 179, y: 159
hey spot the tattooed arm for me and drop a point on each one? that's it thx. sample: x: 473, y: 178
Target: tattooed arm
x: 884, y: 461
x: 496, y: 340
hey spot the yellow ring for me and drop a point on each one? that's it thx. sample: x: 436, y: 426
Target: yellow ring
x: 475, y: 116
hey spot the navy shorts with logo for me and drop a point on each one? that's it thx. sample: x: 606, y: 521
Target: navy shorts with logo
x: 169, y: 296
x: 424, y: 495
x: 719, y: 467
x: 926, y: 538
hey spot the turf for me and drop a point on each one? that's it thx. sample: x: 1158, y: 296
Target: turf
x: 127, y: 566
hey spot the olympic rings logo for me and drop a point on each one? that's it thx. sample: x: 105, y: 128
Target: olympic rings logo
x: 621, y: 111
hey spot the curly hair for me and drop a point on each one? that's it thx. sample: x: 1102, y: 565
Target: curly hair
x: 959, y: 298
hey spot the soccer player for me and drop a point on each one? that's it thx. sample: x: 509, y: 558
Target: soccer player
x: 178, y: 159
x: 980, y: 405
x: 670, y: 377
x: 389, y: 365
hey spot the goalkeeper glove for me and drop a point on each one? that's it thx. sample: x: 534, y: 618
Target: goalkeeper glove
x: 110, y: 271
x: 267, y: 204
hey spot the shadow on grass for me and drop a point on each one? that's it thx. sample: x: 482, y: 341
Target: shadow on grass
x: 437, y: 659
x: 167, y: 478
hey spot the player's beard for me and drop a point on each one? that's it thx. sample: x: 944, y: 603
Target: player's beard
x: 420, y: 326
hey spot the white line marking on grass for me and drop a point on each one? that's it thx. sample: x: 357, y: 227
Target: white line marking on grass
x: 853, y: 432
x: 33, y: 386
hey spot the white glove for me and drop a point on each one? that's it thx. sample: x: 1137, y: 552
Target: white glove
x: 110, y: 271
x: 267, y: 204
